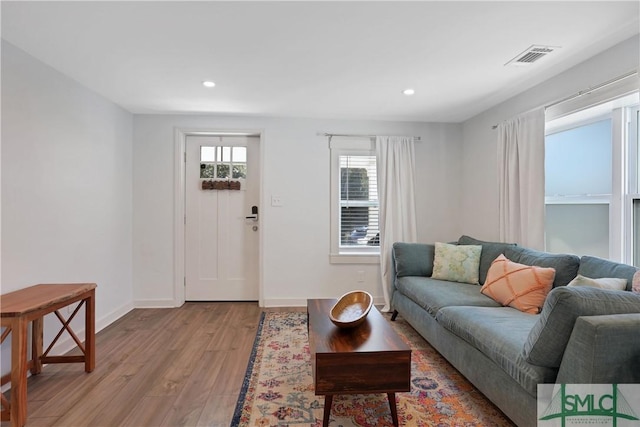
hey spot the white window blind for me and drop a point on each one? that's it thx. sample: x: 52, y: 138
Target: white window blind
x: 359, y: 207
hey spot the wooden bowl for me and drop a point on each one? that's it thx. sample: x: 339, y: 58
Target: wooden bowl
x: 351, y: 309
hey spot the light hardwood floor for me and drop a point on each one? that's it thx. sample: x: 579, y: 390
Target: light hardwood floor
x: 154, y: 367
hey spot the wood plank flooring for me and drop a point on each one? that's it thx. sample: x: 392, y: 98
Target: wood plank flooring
x: 154, y: 367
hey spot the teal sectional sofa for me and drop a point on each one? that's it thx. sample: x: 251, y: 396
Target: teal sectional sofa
x: 582, y: 334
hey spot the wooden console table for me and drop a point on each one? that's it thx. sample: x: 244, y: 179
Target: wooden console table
x: 31, y: 304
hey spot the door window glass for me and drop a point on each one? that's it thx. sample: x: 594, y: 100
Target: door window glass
x: 222, y: 162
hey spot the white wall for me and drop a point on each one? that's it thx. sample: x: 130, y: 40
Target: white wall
x: 479, y: 161
x: 66, y: 188
x: 296, y: 168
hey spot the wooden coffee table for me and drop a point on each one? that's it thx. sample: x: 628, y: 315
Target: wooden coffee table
x: 370, y: 358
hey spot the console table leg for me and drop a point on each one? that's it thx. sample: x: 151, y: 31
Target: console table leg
x: 394, y: 409
x: 19, y: 372
x: 328, y: 401
x: 90, y: 332
x: 36, y: 345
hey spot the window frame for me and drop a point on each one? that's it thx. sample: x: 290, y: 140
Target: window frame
x: 347, y: 146
x: 621, y: 110
x: 631, y: 243
x: 219, y: 160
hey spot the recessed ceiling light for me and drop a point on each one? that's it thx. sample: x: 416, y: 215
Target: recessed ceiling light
x: 208, y: 83
x: 408, y: 91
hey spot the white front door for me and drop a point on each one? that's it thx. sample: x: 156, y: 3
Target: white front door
x: 221, y: 221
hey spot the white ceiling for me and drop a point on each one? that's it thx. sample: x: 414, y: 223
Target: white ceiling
x: 325, y: 59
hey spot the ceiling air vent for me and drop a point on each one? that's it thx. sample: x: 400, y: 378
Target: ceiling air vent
x: 531, y: 54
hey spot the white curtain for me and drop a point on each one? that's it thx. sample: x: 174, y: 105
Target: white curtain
x: 396, y: 194
x: 521, y: 179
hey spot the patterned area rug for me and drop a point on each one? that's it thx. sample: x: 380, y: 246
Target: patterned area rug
x: 278, y: 386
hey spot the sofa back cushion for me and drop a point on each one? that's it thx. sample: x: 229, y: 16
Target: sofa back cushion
x: 597, y: 268
x: 413, y: 259
x: 612, y: 283
x: 550, y: 335
x: 566, y: 265
x: 490, y: 251
x: 457, y: 263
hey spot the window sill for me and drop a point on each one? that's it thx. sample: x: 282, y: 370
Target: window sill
x: 354, y: 258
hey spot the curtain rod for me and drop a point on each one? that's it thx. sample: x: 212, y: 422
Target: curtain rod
x: 415, y: 138
x: 585, y: 91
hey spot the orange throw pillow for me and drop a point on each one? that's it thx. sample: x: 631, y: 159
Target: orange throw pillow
x: 519, y: 286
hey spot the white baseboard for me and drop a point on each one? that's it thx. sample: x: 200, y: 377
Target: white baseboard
x: 293, y: 302
x: 66, y: 343
x: 378, y: 301
x: 267, y: 303
x: 113, y: 316
x: 154, y: 303
x: 299, y: 302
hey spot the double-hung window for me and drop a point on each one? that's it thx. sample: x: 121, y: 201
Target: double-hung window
x: 355, y: 236
x: 592, y: 184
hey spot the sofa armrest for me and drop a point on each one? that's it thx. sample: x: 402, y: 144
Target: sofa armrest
x: 410, y: 259
x: 602, y: 350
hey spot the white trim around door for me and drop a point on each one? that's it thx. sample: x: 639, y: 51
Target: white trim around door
x: 180, y: 211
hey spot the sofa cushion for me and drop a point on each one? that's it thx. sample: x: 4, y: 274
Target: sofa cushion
x: 490, y: 251
x: 612, y: 283
x: 432, y: 294
x: 566, y: 265
x: 635, y: 283
x: 413, y: 259
x: 457, y: 263
x: 520, y: 286
x: 499, y: 333
x: 548, y: 338
x: 597, y: 268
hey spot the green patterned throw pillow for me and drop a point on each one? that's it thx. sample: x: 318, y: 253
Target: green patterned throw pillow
x: 457, y: 263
